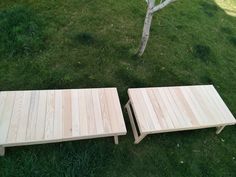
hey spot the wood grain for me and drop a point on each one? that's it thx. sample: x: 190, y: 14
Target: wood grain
x: 44, y: 116
x: 163, y: 109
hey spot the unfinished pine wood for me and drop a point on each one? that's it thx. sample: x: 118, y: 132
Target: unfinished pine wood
x: 166, y: 109
x: 2, y: 151
x: 44, y: 116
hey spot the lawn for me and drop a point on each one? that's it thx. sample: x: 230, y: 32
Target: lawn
x: 91, y: 43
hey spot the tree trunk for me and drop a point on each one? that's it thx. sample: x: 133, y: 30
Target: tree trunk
x: 146, y: 28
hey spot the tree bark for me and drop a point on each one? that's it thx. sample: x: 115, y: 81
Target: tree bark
x: 146, y: 28
x: 161, y: 5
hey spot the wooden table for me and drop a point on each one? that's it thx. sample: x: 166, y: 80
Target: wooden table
x: 167, y: 109
x: 46, y: 116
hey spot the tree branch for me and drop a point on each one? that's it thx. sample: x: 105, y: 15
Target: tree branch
x: 146, y: 27
x: 148, y: 20
x: 161, y: 5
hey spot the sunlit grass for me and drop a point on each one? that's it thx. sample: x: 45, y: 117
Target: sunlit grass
x: 229, y: 6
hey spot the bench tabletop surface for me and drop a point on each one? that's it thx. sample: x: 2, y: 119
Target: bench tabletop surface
x: 54, y: 115
x: 163, y: 109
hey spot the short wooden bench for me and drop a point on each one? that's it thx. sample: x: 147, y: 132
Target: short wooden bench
x: 167, y: 109
x: 46, y: 116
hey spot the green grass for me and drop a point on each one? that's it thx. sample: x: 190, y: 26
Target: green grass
x: 21, y: 32
x: 77, y: 44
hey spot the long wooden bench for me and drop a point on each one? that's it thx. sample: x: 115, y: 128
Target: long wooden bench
x: 46, y: 116
x: 167, y: 109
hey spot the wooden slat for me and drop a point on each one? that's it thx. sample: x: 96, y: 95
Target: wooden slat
x: 154, y: 120
x: 220, y: 104
x: 104, y: 111
x: 6, y: 114
x: 194, y: 105
x: 83, y: 113
x: 111, y: 113
x: 179, y: 108
x: 172, y: 116
x: 142, y: 121
x: 3, y: 96
x: 22, y: 127
x: 75, y: 113
x: 97, y: 112
x: 58, y: 122
x: 158, y: 110
x: 32, y: 117
x: 15, y: 119
x: 50, y: 114
x: 184, y: 106
x: 178, y: 114
x: 207, y: 105
x: 117, y: 109
x: 163, y: 108
x: 203, y: 105
x: 41, y: 117
x: 92, y: 129
x: 66, y: 113
x: 32, y: 120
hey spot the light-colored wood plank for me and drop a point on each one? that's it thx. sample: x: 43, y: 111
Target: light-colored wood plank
x: 6, y: 115
x: 36, y: 117
x: 41, y: 117
x: 50, y: 114
x: 228, y: 116
x: 22, y: 127
x: 178, y: 114
x: 92, y: 129
x: 163, y: 108
x: 178, y: 108
x: 158, y: 110
x: 142, y: 121
x: 196, y: 109
x: 75, y: 113
x: 2, y: 151
x: 169, y: 110
x: 32, y: 120
x: 97, y: 111
x: 184, y: 106
x: 209, y: 118
x: 208, y: 106
x: 83, y: 113
x: 104, y: 111
x: 116, y: 139
x: 15, y: 119
x: 66, y: 113
x: 219, y: 129
x: 154, y: 120
x: 131, y: 118
x: 117, y: 109
x: 3, y: 96
x: 211, y: 104
x: 112, y: 114
x: 58, y: 122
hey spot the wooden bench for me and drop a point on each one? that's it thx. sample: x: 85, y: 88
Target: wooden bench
x: 167, y: 109
x: 46, y: 116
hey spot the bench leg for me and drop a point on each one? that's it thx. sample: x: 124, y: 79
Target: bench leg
x: 137, y: 137
x: 2, y: 151
x: 116, y: 140
x: 219, y: 129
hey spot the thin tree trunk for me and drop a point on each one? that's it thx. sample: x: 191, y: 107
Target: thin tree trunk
x: 146, y: 28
